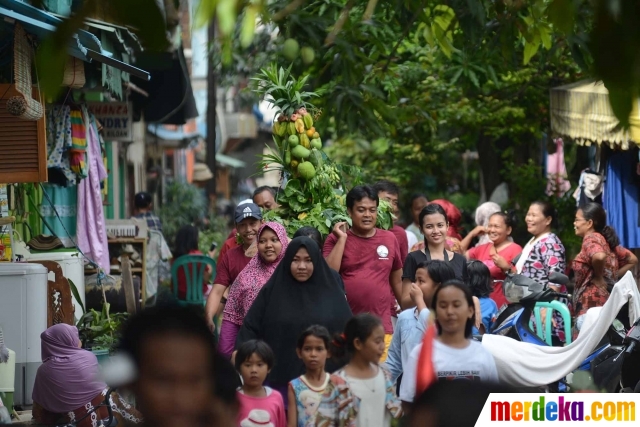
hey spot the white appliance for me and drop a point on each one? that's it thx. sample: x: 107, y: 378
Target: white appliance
x: 23, y: 316
x: 72, y: 263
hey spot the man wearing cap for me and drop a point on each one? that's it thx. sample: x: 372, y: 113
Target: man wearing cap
x: 143, y: 203
x: 232, y: 238
x: 248, y: 220
x: 263, y: 197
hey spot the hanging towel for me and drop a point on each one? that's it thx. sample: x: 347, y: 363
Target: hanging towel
x: 91, y: 226
x: 61, y: 217
x: 528, y: 365
x: 557, y: 171
x: 78, y: 151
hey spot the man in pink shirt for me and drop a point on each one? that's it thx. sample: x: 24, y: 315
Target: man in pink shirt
x: 367, y: 258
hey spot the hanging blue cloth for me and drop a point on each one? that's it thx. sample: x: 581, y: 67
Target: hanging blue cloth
x: 621, y: 198
x: 61, y: 217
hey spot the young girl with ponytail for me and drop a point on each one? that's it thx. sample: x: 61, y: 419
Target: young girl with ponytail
x: 362, y: 393
x: 601, y: 260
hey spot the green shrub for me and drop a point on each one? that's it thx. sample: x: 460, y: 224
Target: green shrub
x: 184, y: 204
x: 529, y: 185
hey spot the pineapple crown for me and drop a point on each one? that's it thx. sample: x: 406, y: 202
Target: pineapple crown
x: 284, y: 91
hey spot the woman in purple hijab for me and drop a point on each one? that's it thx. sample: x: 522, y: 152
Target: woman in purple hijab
x: 67, y: 381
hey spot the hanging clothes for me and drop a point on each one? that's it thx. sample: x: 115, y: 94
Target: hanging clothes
x: 621, y: 198
x: 65, y: 203
x: 557, y: 183
x: 91, y: 226
x: 59, y: 142
x: 589, y: 188
x: 78, y: 150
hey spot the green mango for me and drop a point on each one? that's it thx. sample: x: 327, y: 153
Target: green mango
x: 300, y: 152
x: 290, y: 49
x: 306, y: 170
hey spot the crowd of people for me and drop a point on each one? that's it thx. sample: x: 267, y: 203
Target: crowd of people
x: 330, y: 333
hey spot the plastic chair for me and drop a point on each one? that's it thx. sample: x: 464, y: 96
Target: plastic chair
x: 544, y: 332
x: 193, y: 267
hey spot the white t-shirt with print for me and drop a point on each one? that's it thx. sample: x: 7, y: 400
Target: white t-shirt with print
x: 473, y: 363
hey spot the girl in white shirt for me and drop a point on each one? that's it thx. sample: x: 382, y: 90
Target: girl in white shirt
x: 361, y: 394
x: 455, y: 355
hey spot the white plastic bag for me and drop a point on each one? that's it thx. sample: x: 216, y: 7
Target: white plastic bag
x: 5, y: 418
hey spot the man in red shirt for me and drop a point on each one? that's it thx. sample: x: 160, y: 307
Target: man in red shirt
x: 232, y: 239
x: 263, y: 197
x: 367, y: 258
x: 248, y: 218
x: 390, y: 192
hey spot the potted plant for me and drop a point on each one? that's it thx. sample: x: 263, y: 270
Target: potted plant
x: 98, y: 330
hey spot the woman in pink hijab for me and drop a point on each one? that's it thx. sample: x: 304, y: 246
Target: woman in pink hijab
x: 272, y: 244
x: 67, y: 382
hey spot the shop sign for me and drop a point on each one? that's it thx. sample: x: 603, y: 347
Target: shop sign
x: 115, y: 118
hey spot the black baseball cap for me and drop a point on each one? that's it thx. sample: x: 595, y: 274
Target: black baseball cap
x: 248, y: 210
x: 142, y: 200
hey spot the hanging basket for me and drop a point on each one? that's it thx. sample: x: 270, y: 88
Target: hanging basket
x: 74, y: 73
x: 23, y: 105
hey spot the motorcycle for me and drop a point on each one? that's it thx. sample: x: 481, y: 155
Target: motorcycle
x: 630, y: 372
x: 523, y: 293
x: 609, y: 370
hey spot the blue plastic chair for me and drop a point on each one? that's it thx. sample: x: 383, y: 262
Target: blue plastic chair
x: 544, y: 332
x: 194, y: 267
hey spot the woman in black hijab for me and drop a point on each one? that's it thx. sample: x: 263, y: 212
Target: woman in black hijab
x: 302, y: 291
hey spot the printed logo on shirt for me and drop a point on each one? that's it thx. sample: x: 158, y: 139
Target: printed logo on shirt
x: 459, y: 375
x: 383, y: 252
x: 257, y: 418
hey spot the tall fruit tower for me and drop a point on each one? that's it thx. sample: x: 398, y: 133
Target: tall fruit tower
x: 312, y: 186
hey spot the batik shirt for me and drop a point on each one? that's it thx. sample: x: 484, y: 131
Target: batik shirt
x: 547, y: 256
